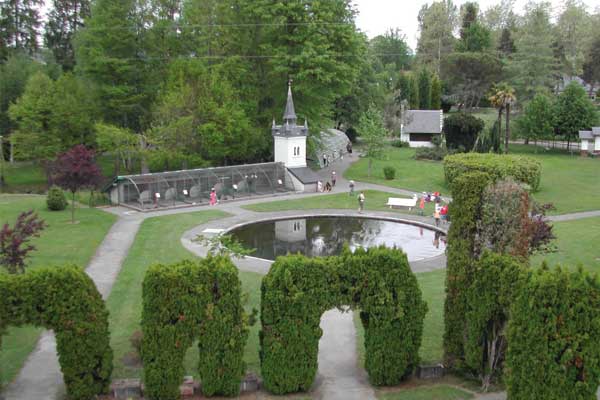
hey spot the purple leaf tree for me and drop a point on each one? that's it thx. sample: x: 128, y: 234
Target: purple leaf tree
x: 77, y: 169
x: 14, y: 241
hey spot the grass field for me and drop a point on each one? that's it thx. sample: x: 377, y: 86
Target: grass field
x: 577, y: 244
x: 158, y: 241
x: 437, y: 392
x: 570, y: 182
x: 60, y: 243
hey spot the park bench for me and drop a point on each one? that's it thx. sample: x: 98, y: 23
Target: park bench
x: 396, y: 202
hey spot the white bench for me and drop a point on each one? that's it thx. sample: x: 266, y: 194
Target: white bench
x: 396, y: 202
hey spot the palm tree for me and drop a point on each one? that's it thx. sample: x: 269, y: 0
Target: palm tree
x: 503, y: 96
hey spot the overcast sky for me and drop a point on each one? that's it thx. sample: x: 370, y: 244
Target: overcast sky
x: 377, y: 16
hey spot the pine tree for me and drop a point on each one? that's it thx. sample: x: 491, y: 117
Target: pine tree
x: 507, y: 44
x: 424, y: 90
x: 64, y: 20
x: 436, y: 93
x: 19, y: 24
x: 414, y: 93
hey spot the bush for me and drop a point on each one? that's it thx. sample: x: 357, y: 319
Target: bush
x: 389, y: 173
x: 498, y: 167
x: 56, y: 200
x: 431, y: 153
x: 65, y: 300
x: 464, y: 212
x: 461, y: 130
x: 399, y: 143
x: 298, y: 290
x: 554, y: 337
x: 187, y: 301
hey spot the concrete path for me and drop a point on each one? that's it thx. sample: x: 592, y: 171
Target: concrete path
x: 41, y: 378
x: 574, y: 216
x: 339, y: 377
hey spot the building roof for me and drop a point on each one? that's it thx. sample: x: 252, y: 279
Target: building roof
x: 289, y: 127
x: 423, y: 121
x: 289, y: 115
x: 596, y: 131
x: 585, y: 135
x: 305, y: 175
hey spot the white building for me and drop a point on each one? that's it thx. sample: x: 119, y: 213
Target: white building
x: 590, y: 141
x: 419, y: 126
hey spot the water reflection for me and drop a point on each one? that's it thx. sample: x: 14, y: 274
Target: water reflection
x: 325, y: 236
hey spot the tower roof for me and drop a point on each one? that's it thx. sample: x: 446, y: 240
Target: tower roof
x: 289, y: 113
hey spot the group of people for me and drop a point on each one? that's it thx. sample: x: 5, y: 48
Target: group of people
x: 328, y: 185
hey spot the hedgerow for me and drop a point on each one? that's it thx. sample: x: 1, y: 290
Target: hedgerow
x: 496, y: 280
x: 464, y: 211
x: 554, y: 337
x: 522, y: 169
x: 65, y: 300
x: 296, y: 292
x: 187, y: 301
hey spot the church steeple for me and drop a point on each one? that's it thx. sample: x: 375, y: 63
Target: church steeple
x: 289, y: 115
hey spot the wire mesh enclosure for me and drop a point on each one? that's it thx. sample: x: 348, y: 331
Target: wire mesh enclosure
x: 193, y: 187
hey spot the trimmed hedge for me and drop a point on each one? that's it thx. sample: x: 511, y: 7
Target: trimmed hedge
x: 55, y: 199
x: 496, y: 280
x: 298, y: 290
x: 65, y: 300
x: 389, y: 172
x: 187, y: 301
x: 464, y: 212
x: 522, y: 169
x: 554, y: 338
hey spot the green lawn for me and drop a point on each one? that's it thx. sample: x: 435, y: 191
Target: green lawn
x: 570, y: 182
x: 432, y: 285
x: 158, y: 241
x: 437, y: 392
x: 577, y: 243
x: 60, y: 243
x: 374, y: 200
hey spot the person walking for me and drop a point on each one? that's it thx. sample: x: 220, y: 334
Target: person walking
x: 436, y: 213
x: 333, y: 178
x: 351, y: 184
x: 349, y: 147
x: 213, y: 197
x: 444, y: 213
x: 422, y: 206
x: 319, y: 186
x: 361, y: 202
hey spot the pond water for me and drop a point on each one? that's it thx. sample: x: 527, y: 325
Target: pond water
x: 326, y: 236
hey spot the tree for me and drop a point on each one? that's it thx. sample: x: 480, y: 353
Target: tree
x: 64, y: 21
x: 436, y: 26
x: 120, y: 141
x: 14, y: 242
x: 424, y: 89
x: 507, y: 44
x: 591, y: 65
x: 461, y: 130
x: 391, y: 48
x: 473, y: 35
x: 77, y: 169
x: 537, y: 119
x: 415, y: 96
x: 503, y: 96
x: 373, y: 133
x: 574, y: 111
x: 533, y: 66
x: 436, y: 93
x: 573, y: 30
x: 19, y: 24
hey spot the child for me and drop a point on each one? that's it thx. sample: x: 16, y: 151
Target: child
x: 213, y: 197
x: 351, y: 184
x: 333, y: 178
x: 444, y: 213
x: 422, y: 206
x: 436, y: 213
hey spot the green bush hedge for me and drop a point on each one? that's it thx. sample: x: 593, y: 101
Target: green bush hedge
x: 298, y: 290
x: 464, y: 212
x: 389, y: 173
x: 187, y: 301
x: 522, y: 169
x: 55, y: 199
x: 554, y: 338
x: 65, y: 300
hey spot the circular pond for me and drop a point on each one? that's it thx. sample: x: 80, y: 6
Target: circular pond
x: 325, y: 236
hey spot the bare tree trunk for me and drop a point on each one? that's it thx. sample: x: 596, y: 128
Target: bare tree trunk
x: 12, y: 152
x: 507, y: 137
x: 370, y: 164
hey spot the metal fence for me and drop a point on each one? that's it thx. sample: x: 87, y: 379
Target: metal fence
x: 193, y: 187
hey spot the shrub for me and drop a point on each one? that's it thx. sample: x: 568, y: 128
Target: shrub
x: 554, y: 337
x: 56, y: 200
x: 522, y: 169
x: 14, y: 241
x: 296, y: 292
x: 65, y: 300
x: 496, y: 279
x: 389, y: 173
x: 431, y: 153
x: 187, y: 301
x: 464, y: 212
x: 399, y: 143
x: 461, y: 130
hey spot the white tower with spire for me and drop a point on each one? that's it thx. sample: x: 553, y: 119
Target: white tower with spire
x: 289, y: 137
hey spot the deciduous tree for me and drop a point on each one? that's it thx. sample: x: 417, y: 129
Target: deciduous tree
x: 574, y: 111
x: 14, y: 241
x: 536, y: 122
x: 436, y: 26
x: 373, y: 133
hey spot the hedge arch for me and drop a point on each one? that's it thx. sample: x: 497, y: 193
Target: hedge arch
x: 65, y: 300
x: 187, y: 301
x: 298, y: 290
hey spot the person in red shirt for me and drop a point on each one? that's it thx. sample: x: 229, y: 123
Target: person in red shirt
x: 444, y: 213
